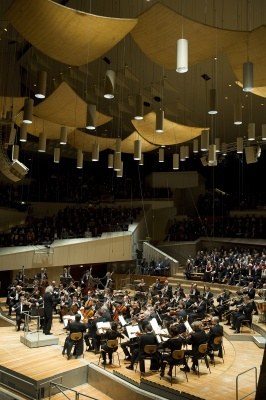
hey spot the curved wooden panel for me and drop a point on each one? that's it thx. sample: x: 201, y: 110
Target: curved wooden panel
x: 64, y: 34
x: 84, y: 141
x: 10, y: 104
x: 173, y: 133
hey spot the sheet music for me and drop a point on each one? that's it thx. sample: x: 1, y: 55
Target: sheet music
x: 188, y: 327
x: 132, y: 330
x: 122, y: 320
x: 106, y: 325
x: 157, y: 329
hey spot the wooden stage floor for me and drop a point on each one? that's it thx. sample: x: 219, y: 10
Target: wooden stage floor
x: 43, y: 363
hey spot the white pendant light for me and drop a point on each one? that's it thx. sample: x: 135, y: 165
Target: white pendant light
x: 118, y: 145
x: 204, y: 145
x: 217, y: 144
x: 251, y: 131
x: 117, y: 161
x: 28, y: 111
x: 41, y: 85
x: 248, y: 76
x: 224, y: 149
x: 139, y: 107
x: 141, y: 161
x: 238, y: 114
x: 213, y: 106
x: 161, y: 155
x: 159, y: 121
x: 175, y: 161
x: 195, y: 146
x: 15, y: 152
x: 182, y: 153
x: 186, y: 150
x: 109, y: 84
x: 110, y: 160
x: 95, y: 152
x: 137, y: 150
x: 239, y: 145
x: 42, y: 143
x: 79, y: 159
x: 182, y: 56
x: 63, y: 135
x: 119, y: 173
x: 263, y: 131
x: 91, y: 117
x: 23, y: 133
x: 212, y: 154
x: 57, y: 155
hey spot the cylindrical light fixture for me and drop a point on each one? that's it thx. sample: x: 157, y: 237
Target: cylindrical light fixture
x: 175, y: 161
x: 63, y: 135
x: 56, y: 155
x: 248, y: 76
x: 239, y: 145
x: 224, y: 149
x: 186, y: 150
x: 23, y: 133
x: 212, y: 154
x: 118, y: 145
x: 141, y: 161
x: 251, y: 131
x: 117, y: 161
x: 217, y: 144
x: 213, y: 102
x: 110, y: 160
x: 204, y: 143
x: 79, y: 159
x: 109, y: 84
x: 161, y: 155
x: 182, y: 56
x: 28, y: 111
x: 238, y: 114
x: 119, y: 173
x: 137, y: 150
x: 91, y: 117
x: 182, y: 153
x: 41, y: 85
x: 95, y: 152
x: 15, y: 152
x: 159, y: 120
x: 195, y: 146
x: 42, y: 143
x: 139, y: 107
x: 263, y: 131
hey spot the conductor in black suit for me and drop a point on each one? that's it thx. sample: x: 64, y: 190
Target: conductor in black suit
x: 73, y: 327
x: 48, y: 302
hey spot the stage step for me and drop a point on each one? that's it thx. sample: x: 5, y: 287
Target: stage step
x: 259, y: 341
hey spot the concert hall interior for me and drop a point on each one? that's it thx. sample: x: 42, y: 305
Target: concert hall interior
x: 132, y: 203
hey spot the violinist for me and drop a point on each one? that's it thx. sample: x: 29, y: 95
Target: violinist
x: 20, y: 307
x: 110, y: 334
x: 197, y: 337
x: 72, y: 327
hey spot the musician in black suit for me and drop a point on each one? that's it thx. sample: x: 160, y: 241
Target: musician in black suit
x: 73, y: 327
x: 48, y: 302
x: 20, y: 307
x: 197, y: 337
x: 216, y: 330
x: 244, y: 312
x: 110, y: 334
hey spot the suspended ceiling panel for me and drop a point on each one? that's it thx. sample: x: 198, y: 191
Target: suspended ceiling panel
x: 66, y: 108
x: 173, y: 133
x: 83, y: 141
x: 64, y: 34
x: 127, y: 145
x: 10, y: 104
x: 159, y: 28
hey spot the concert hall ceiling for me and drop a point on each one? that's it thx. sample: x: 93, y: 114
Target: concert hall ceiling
x: 76, y: 42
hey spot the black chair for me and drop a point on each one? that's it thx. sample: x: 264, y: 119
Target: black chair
x: 112, y: 345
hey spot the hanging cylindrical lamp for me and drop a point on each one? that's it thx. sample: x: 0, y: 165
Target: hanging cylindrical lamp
x: 217, y: 144
x: 95, y: 152
x: 182, y: 153
x: 63, y: 135
x: 117, y: 161
x: 57, y: 155
x: 204, y: 144
x: 175, y: 161
x: 161, y: 155
x: 195, y: 146
x: 15, y: 152
x: 213, y: 102
x: 182, y: 56
x: 139, y: 107
x: 42, y: 143
x: 186, y: 150
x: 23, y: 133
x: 224, y: 149
x: 159, y: 121
x: 248, y: 76
x: 41, y: 85
x: 141, y: 161
x: 91, y: 117
x: 137, y: 150
x: 263, y: 131
x: 251, y: 131
x: 110, y: 160
x: 212, y: 154
x: 238, y: 114
x: 239, y: 145
x: 119, y: 173
x: 109, y: 84
x: 79, y: 159
x: 28, y: 111
x: 118, y: 145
